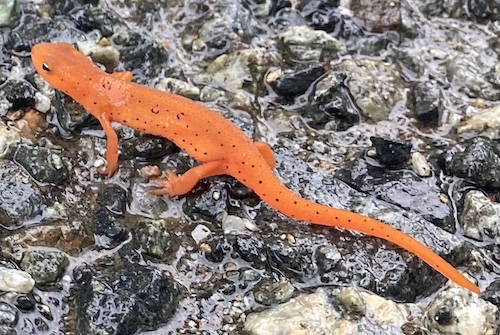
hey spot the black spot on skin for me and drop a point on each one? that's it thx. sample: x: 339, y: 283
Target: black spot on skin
x: 222, y: 144
x: 317, y: 213
x: 137, y: 119
x: 277, y: 200
x: 252, y: 166
x: 337, y: 218
x: 205, y: 153
x: 295, y: 202
x: 239, y: 171
x: 260, y: 181
x: 179, y: 116
x: 183, y: 140
x: 349, y: 220
x: 95, y: 103
x: 234, y: 145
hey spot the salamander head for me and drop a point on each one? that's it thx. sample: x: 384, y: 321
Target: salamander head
x: 58, y: 63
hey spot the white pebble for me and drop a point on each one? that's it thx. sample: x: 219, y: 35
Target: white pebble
x: 200, y: 233
x: 236, y: 225
x: 42, y: 102
x: 12, y: 280
x: 420, y: 164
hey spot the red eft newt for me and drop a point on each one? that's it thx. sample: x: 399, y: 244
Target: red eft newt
x: 220, y: 146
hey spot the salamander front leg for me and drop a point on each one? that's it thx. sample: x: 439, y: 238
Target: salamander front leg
x: 124, y: 75
x: 111, y: 146
x: 174, y: 185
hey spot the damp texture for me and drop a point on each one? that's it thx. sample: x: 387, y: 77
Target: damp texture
x: 151, y: 213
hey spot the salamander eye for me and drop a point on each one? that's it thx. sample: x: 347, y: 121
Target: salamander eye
x: 45, y: 67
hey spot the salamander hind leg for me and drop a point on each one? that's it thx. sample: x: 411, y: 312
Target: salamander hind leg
x: 173, y: 184
x: 267, y: 153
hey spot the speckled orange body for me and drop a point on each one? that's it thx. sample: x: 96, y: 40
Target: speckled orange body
x: 215, y: 142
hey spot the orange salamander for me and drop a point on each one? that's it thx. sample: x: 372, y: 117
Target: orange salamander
x: 220, y: 146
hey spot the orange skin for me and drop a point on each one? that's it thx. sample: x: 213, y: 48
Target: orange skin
x: 204, y: 134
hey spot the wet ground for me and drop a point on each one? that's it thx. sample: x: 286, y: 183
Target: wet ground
x: 386, y: 108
